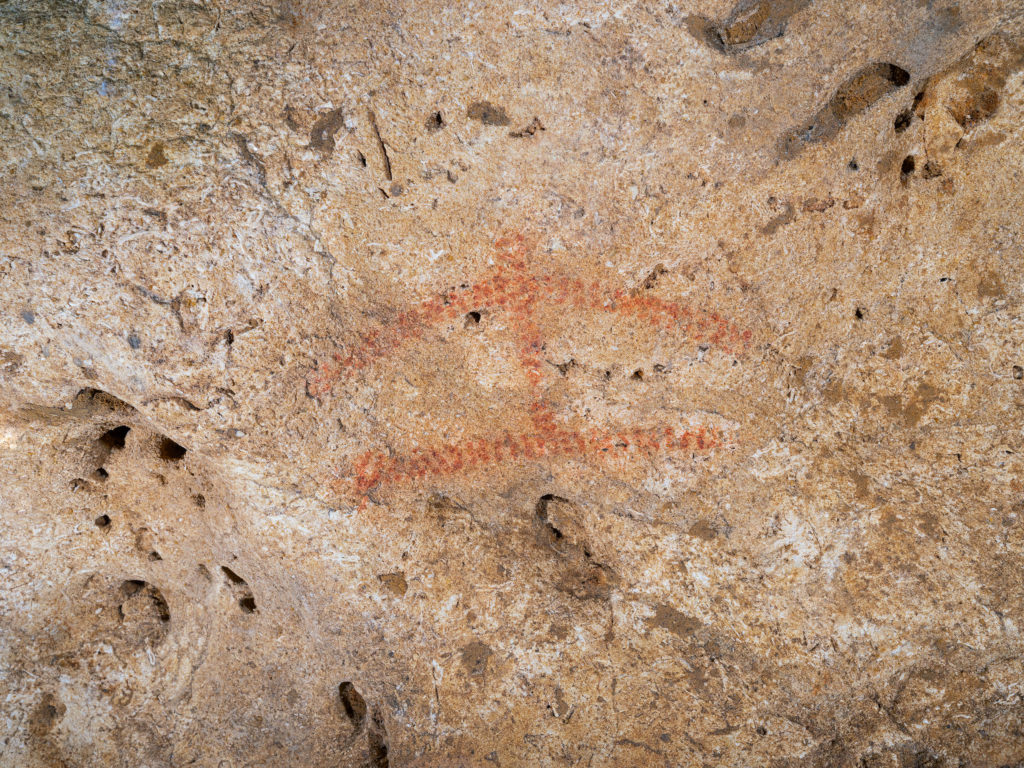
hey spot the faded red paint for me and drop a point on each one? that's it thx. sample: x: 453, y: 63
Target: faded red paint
x: 373, y: 469
x: 512, y: 287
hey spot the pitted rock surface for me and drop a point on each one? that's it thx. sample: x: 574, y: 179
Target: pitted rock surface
x: 511, y: 384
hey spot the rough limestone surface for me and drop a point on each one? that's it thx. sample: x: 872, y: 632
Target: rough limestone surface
x: 407, y: 383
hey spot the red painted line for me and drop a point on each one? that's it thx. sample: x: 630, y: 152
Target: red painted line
x: 374, y: 469
x: 512, y: 288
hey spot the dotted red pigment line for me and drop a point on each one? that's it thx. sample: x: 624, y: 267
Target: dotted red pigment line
x: 512, y: 288
x: 374, y: 469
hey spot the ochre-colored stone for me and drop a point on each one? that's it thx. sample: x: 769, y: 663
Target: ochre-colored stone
x: 487, y: 384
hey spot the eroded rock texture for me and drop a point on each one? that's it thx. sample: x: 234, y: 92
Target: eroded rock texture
x: 511, y: 384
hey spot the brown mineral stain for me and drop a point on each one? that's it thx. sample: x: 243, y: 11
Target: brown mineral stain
x: 865, y: 224
x: 697, y: 677
x: 156, y: 156
x: 45, y: 715
x: 866, y: 87
x: 911, y: 412
x: 435, y: 122
x: 561, y: 706
x: 667, y: 617
x: 991, y: 286
x: 861, y: 483
x: 929, y: 524
x: 526, y: 131
x: 487, y: 113
x: 892, y: 403
x: 394, y: 582
x: 702, y: 529
x: 558, y: 631
x: 889, y: 162
x: 289, y: 118
x: 833, y: 392
x: 475, y: 657
x: 585, y: 580
x: 321, y: 137
x: 802, y: 368
x: 894, y: 350
x: 818, y: 205
x: 743, y: 28
x: 10, y: 361
x: 787, y: 213
x: 982, y: 77
x: 922, y: 399
x: 987, y: 139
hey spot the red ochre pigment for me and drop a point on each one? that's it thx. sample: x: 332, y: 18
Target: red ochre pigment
x: 513, y: 288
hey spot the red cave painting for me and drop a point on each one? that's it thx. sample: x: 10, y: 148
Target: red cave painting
x: 513, y: 288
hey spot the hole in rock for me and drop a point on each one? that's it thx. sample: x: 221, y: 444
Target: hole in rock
x: 171, y: 451
x: 857, y: 94
x: 542, y: 513
x: 377, y: 740
x: 233, y: 577
x: 114, y: 438
x: 902, y: 121
x: 240, y: 588
x: 353, y: 704
x: 907, y: 168
x: 102, y: 521
x: 435, y: 122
